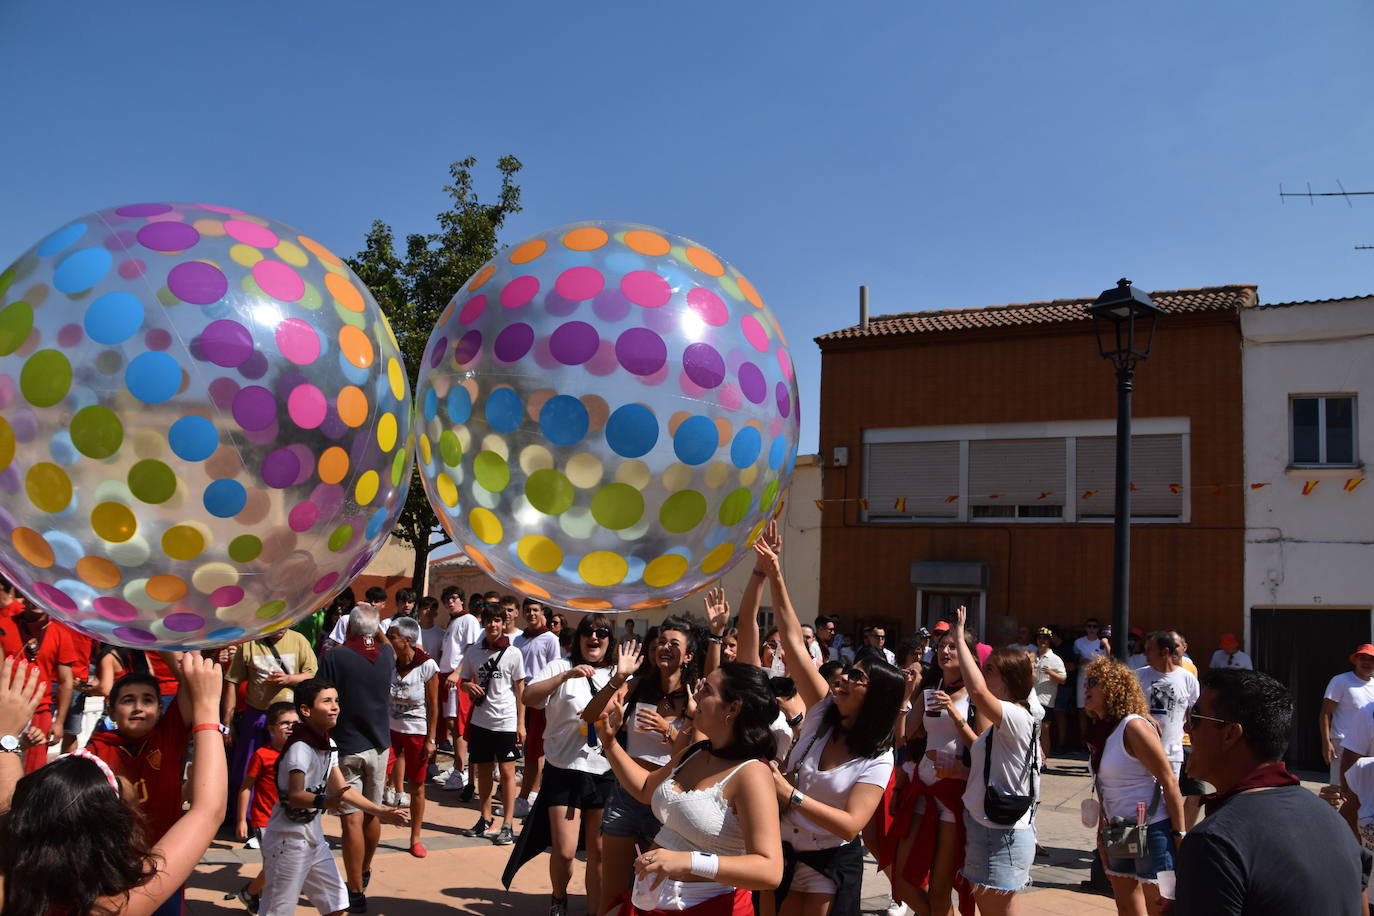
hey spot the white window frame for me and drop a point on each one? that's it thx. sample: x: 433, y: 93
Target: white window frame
x: 1070, y: 431
x: 1321, y: 400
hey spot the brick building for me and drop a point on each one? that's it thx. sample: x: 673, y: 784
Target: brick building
x: 969, y: 459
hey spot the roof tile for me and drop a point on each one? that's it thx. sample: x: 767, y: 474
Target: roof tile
x: 1178, y: 301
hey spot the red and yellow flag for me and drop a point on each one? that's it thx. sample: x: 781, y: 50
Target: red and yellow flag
x: 1308, y: 487
x: 1258, y: 486
x: 1089, y: 494
x: 900, y: 504
x: 863, y: 503
x: 1352, y: 483
x: 952, y: 499
x: 820, y: 506
x: 1046, y: 495
x: 1175, y: 488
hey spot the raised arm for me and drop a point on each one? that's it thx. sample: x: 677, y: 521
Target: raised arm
x: 633, y: 778
x: 796, y: 658
x: 21, y: 687
x: 748, y: 636
x: 989, y: 706
x: 718, y: 619
x: 627, y: 662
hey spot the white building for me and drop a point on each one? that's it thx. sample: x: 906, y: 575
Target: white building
x: 1309, y: 545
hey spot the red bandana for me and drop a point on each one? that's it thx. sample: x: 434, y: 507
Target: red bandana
x: 1266, y: 776
x: 502, y: 643
x: 366, y: 646
x: 531, y: 632
x: 304, y: 734
x: 417, y: 658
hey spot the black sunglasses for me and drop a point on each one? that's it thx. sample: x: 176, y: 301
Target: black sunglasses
x: 856, y: 676
x: 599, y: 633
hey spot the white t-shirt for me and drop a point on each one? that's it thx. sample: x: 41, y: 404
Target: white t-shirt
x: 1359, y: 736
x: 497, y: 711
x: 1046, y: 688
x: 815, y: 650
x: 1360, y: 778
x: 408, y: 714
x: 432, y: 641
x: 565, y: 734
x: 831, y: 786
x: 316, y: 765
x: 782, y: 736
x: 1350, y: 694
x: 1222, y: 659
x: 339, y: 635
x: 1137, y: 660
x: 537, y: 651
x: 460, y: 636
x: 1086, y: 649
x: 1009, y: 770
x: 1169, y: 697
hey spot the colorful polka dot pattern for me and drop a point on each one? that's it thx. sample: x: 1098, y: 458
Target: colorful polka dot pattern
x: 606, y: 416
x: 204, y: 425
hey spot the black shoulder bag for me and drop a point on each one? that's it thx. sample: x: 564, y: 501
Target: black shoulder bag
x: 1004, y: 808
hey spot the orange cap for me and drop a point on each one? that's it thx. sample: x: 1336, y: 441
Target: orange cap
x: 1229, y: 642
x: 1365, y: 649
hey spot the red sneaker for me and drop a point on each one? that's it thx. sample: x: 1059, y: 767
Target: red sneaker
x: 418, y: 850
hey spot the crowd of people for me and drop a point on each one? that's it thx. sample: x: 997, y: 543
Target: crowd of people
x: 712, y: 766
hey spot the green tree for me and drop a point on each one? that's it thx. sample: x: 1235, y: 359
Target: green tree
x: 412, y: 290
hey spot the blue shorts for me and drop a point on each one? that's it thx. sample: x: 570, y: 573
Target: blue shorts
x: 1160, y: 845
x: 998, y: 858
x: 627, y: 816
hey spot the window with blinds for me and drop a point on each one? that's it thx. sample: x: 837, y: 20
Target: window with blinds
x: 1156, y: 470
x: 924, y: 474
x: 1016, y: 478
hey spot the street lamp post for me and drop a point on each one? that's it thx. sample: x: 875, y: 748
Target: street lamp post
x: 1115, y: 316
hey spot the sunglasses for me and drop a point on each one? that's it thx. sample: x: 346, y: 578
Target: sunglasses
x: 772, y: 645
x: 856, y: 676
x: 1194, y: 716
x: 599, y: 633
x: 1091, y: 682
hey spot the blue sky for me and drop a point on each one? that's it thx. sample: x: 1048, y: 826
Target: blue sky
x: 947, y: 155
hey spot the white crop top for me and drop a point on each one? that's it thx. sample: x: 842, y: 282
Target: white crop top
x: 697, y: 819
x: 1122, y: 780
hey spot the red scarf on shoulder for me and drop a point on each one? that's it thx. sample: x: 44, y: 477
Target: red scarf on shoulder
x: 366, y: 646
x: 502, y: 643
x: 531, y: 632
x: 1266, y: 776
x: 304, y: 734
x: 417, y: 658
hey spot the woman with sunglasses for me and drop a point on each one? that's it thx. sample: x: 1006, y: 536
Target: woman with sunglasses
x: 652, y: 687
x: 1131, y: 769
x: 1004, y: 759
x: 835, y: 775
x: 577, y: 777
x: 925, y: 844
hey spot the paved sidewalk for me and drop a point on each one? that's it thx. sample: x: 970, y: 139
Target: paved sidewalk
x: 464, y: 875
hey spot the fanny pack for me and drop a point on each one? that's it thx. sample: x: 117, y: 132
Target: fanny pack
x: 1127, y: 839
x: 1003, y: 807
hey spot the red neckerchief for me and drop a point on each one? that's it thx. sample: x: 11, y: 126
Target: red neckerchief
x: 920, y: 860
x: 1266, y: 776
x: 417, y: 658
x: 502, y: 643
x: 531, y: 632
x: 304, y: 734
x: 31, y: 633
x: 366, y: 646
x: 1099, y: 730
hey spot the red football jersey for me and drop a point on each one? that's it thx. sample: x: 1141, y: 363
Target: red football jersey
x: 262, y: 770
x: 152, y: 765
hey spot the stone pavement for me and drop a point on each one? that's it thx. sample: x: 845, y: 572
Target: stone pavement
x: 464, y: 875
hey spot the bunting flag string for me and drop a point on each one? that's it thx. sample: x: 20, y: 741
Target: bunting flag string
x: 900, y: 503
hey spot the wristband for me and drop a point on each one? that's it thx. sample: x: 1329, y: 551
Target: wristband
x: 208, y: 726
x: 705, y: 865
x: 760, y: 574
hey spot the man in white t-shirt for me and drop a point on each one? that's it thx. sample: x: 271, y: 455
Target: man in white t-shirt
x: 463, y: 630
x: 431, y: 634
x: 493, y: 673
x: 1344, y: 707
x: 1170, y: 691
x: 1230, y: 655
x: 1087, y: 647
x: 538, y: 647
x: 376, y: 599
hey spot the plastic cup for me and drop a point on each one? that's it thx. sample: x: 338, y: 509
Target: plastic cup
x: 1167, y: 881
x: 931, y: 709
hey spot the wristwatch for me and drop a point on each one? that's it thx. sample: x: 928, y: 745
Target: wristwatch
x: 9, y: 744
x: 715, y: 637
x: 796, y: 800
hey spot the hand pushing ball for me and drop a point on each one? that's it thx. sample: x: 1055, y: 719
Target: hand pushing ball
x: 204, y: 423
x: 606, y: 416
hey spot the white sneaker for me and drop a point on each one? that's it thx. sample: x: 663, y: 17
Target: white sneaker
x: 403, y: 799
x: 252, y: 842
x: 440, y: 777
x: 389, y: 797
x: 897, y: 909
x: 456, y: 781
x: 522, y: 807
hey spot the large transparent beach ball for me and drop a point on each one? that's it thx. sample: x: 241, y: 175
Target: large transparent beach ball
x: 204, y: 423
x: 607, y: 416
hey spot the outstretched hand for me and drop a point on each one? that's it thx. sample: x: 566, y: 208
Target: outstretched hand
x: 960, y: 617
x: 20, y: 691
x: 717, y: 610
x: 629, y: 655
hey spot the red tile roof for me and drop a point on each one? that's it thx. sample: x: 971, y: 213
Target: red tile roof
x: 1178, y: 301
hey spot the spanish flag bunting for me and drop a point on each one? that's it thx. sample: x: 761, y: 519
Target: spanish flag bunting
x: 1089, y: 494
x: 863, y: 503
x: 900, y: 504
x: 1175, y: 488
x: 1352, y: 483
x: 820, y: 505
x: 1258, y: 486
x: 952, y: 499
x: 1046, y: 495
x: 1308, y: 487
x: 1134, y: 488
x: 996, y: 495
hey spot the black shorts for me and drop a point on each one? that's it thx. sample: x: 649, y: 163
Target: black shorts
x: 1187, y: 785
x: 574, y: 788
x: 487, y: 746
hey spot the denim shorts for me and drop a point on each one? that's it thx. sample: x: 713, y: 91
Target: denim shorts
x: 1159, y: 844
x: 626, y: 816
x: 998, y: 858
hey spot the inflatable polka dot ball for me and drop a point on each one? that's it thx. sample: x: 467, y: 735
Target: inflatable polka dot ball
x: 606, y: 416
x: 204, y: 425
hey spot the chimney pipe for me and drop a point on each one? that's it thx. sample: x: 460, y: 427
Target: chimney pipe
x: 863, y: 308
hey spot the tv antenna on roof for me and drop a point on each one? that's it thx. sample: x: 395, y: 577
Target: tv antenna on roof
x: 1311, y: 195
